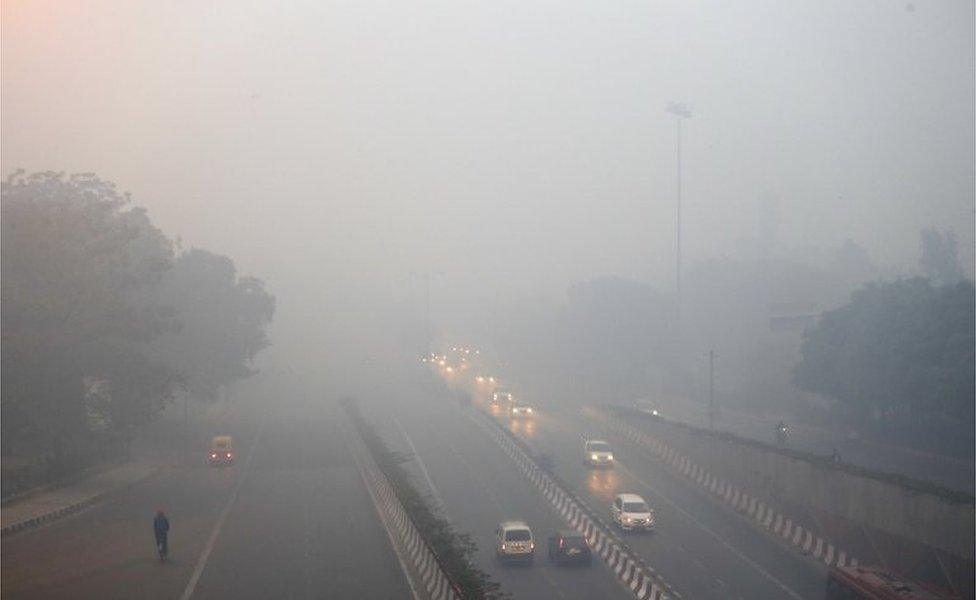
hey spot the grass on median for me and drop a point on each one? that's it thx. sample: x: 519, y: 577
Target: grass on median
x: 454, y: 550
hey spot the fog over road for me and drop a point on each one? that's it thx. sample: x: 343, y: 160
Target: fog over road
x: 302, y: 525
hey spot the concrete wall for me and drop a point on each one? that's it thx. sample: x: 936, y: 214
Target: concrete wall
x: 944, y: 521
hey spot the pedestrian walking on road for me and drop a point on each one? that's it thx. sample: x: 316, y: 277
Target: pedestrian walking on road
x: 161, y: 529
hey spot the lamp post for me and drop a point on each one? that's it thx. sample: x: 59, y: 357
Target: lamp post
x: 680, y: 112
x: 426, y: 278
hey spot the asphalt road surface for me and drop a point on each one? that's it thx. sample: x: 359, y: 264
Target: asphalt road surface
x: 700, y: 548
x: 479, y: 486
x: 291, y: 519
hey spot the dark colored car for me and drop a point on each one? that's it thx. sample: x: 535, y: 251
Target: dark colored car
x: 568, y: 546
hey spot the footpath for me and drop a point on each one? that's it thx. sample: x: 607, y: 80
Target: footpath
x: 151, y: 454
x: 43, y: 506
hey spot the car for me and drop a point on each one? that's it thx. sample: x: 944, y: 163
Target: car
x: 650, y: 409
x: 501, y: 397
x: 597, y: 453
x: 514, y: 542
x: 568, y: 546
x: 521, y: 411
x: 630, y: 512
x: 221, y: 451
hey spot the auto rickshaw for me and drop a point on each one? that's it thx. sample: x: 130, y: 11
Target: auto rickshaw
x: 221, y: 451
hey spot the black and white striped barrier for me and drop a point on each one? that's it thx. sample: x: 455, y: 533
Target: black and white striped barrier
x: 428, y: 577
x: 642, y: 580
x: 804, y: 540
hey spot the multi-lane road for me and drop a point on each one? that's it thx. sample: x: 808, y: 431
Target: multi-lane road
x: 702, y: 549
x: 291, y: 519
x: 478, y: 487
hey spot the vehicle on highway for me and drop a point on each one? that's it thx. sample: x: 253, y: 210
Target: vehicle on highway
x: 781, y: 432
x: 502, y: 398
x: 521, y: 411
x: 568, y: 546
x: 630, y: 512
x: 514, y: 542
x: 874, y: 583
x: 597, y: 453
x: 221, y: 451
x: 650, y: 409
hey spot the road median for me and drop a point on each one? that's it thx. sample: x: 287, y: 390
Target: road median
x: 435, y: 558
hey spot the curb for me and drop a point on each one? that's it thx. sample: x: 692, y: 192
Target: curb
x: 72, y: 508
x: 424, y: 568
x: 761, y: 514
x: 642, y: 580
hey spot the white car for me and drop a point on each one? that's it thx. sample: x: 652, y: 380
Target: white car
x: 630, y: 512
x: 514, y: 541
x: 597, y: 453
x: 521, y: 411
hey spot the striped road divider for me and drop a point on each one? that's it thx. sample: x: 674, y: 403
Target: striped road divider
x: 760, y: 512
x: 643, y: 581
x: 427, y: 578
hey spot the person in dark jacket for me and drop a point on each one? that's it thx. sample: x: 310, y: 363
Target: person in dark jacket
x: 161, y: 529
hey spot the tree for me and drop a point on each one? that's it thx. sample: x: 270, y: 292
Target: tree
x: 899, y: 352
x: 78, y: 264
x: 222, y: 321
x: 940, y: 257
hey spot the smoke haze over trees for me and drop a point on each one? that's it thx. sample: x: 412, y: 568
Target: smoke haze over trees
x: 102, y: 323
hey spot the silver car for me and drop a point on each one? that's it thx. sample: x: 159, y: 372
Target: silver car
x: 514, y: 542
x: 630, y: 512
x: 597, y: 453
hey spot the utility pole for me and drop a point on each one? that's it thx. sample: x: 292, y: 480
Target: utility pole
x: 711, y: 390
x: 426, y: 278
x: 427, y: 312
x: 680, y: 112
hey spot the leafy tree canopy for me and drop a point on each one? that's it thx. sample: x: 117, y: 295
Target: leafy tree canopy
x: 901, y: 352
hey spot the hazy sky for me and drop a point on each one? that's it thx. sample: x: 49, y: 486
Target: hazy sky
x: 510, y: 147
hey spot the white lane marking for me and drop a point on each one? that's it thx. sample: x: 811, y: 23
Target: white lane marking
x: 384, y: 519
x: 500, y: 510
x: 202, y: 561
x: 420, y: 463
x: 707, y: 530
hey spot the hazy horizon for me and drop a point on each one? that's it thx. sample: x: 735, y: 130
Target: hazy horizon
x: 509, y: 149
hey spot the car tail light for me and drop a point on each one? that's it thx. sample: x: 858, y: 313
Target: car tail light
x: 213, y: 455
x: 562, y: 542
x: 229, y: 455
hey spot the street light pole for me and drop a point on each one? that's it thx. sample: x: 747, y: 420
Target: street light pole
x: 680, y: 112
x: 427, y: 312
x: 711, y: 390
x: 426, y: 278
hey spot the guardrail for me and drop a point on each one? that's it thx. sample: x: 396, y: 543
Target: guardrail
x: 641, y: 578
x: 428, y: 578
x: 762, y: 514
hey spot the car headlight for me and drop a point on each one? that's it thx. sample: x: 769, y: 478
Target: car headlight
x: 593, y: 457
x: 626, y: 519
x: 528, y: 410
x: 609, y: 456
